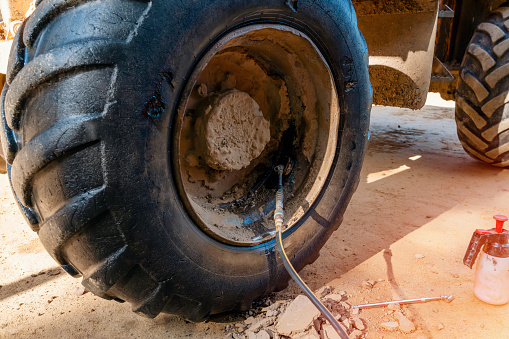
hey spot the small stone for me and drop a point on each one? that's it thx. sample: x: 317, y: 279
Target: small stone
x: 251, y: 335
x: 356, y: 334
x: 405, y: 325
x: 298, y: 316
x: 419, y: 256
x: 358, y: 323
x: 263, y: 335
x: 345, y: 305
x: 455, y: 275
x: 323, y: 291
x: 79, y: 290
x: 33, y: 275
x: 50, y: 301
x: 272, y: 313
x: 355, y: 311
x: 335, y: 297
x: 390, y: 325
x: 228, y: 327
x: 240, y: 329
x: 202, y: 90
x: 394, y: 307
x: 368, y: 284
x: 273, y: 307
x: 440, y: 326
x: 381, y: 280
x: 255, y: 327
x: 239, y: 325
x: 249, y: 321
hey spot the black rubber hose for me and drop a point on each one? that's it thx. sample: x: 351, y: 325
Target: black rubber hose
x: 278, y: 218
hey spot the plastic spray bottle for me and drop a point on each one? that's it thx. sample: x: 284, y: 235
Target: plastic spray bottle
x: 491, y: 283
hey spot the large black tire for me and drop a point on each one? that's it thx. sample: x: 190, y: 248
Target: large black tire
x: 86, y: 135
x: 482, y: 98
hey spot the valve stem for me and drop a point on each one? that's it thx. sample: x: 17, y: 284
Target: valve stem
x: 279, y: 214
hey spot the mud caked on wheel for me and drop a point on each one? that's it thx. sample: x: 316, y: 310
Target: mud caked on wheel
x: 482, y: 100
x: 141, y: 138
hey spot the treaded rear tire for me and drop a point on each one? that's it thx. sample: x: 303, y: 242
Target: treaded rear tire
x: 481, y: 114
x: 87, y: 146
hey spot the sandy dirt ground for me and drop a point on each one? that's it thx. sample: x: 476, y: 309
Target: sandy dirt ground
x: 407, y: 228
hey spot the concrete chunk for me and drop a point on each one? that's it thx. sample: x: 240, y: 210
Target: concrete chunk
x: 335, y: 297
x: 323, y: 291
x: 358, y: 323
x: 390, y: 325
x: 356, y: 334
x: 255, y: 327
x: 405, y: 325
x: 298, y: 316
x: 263, y: 335
x: 249, y: 320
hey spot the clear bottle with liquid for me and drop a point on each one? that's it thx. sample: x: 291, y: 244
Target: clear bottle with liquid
x: 491, y: 283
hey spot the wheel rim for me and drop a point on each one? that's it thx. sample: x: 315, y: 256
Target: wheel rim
x: 262, y: 95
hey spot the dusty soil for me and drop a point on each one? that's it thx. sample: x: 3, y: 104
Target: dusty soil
x: 407, y: 228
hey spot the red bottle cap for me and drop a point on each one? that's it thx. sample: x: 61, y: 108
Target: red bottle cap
x: 500, y: 222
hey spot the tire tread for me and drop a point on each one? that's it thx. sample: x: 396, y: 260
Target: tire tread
x: 483, y: 92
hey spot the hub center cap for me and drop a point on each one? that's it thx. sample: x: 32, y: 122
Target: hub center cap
x: 231, y: 131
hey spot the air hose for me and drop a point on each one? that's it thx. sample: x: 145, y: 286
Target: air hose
x: 278, y: 219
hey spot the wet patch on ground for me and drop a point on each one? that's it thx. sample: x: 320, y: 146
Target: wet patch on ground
x: 387, y: 141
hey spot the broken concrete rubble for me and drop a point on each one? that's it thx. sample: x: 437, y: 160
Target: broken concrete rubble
x: 299, y: 319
